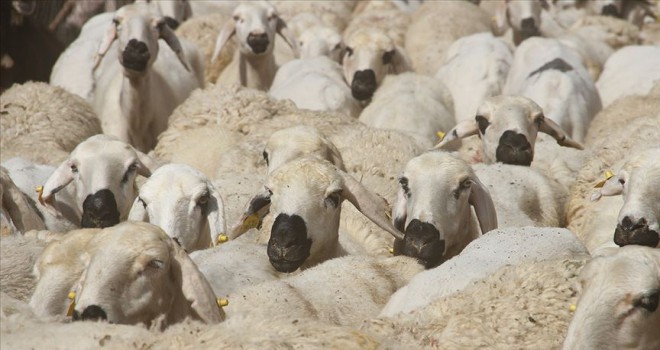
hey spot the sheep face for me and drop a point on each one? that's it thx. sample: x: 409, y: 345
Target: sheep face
x: 103, y: 170
x: 320, y: 41
x: 291, y: 143
x: 612, y: 8
x: 507, y: 126
x: 524, y: 17
x: 184, y: 203
x: 433, y: 207
x: 370, y: 55
x: 138, y: 274
x: 618, y: 303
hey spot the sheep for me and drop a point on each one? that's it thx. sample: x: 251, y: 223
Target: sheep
x: 335, y: 14
x: 103, y: 172
x: 370, y: 55
x: 315, y: 38
x: 316, y: 84
x: 19, y: 213
x: 342, y: 291
x: 523, y: 17
x: 106, y: 267
x: 184, y: 203
x: 18, y: 255
x: 552, y: 75
x: 43, y: 123
x: 423, y: 213
x: 133, y: 91
x: 507, y: 127
x: 303, y: 197
x: 435, y: 26
x: 411, y: 103
x: 475, y: 68
x: 621, y: 78
x: 638, y: 181
x: 618, y: 301
x: 632, y: 11
x: 481, y: 258
x: 254, y: 25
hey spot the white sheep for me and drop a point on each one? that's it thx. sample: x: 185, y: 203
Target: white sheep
x: 316, y: 84
x: 137, y: 82
x: 316, y: 38
x: 43, y: 123
x: 481, y: 258
x: 475, y: 68
x: 523, y: 17
x: 108, y: 269
x: 411, y: 103
x: 434, y: 28
x: 618, y: 301
x: 254, y: 25
x: 102, y: 171
x: 184, y: 203
x: 621, y: 77
x: 552, y: 75
x: 382, y: 16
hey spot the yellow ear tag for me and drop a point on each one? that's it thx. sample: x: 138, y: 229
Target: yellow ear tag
x: 608, y: 175
x: 40, y: 191
x: 441, y: 135
x: 573, y: 307
x: 222, y: 302
x: 222, y: 238
x: 69, y: 311
x: 391, y: 250
x: 251, y: 221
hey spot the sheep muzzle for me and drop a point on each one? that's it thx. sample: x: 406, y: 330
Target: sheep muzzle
x: 100, y: 210
x: 288, y: 246
x: 135, y: 56
x: 364, y: 84
x: 514, y: 149
x: 422, y: 241
x: 637, y: 233
x: 258, y: 42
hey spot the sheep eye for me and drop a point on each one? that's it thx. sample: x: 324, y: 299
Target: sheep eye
x: 265, y: 154
x: 622, y: 182
x: 333, y: 199
x: 387, y: 57
x: 156, y: 264
x: 129, y: 171
x: 144, y: 204
x: 404, y: 185
x: 349, y: 51
x: 236, y: 18
x: 483, y: 123
x: 539, y: 120
x: 74, y: 169
x: 648, y: 301
x: 115, y: 22
x: 203, y: 199
x: 465, y: 184
x: 337, y: 47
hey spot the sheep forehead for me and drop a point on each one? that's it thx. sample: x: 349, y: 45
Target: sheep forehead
x: 441, y: 165
x: 303, y: 138
x: 365, y: 38
x: 645, y: 159
x: 633, y: 269
x: 259, y: 8
x: 129, y: 240
x: 308, y: 172
x: 503, y: 107
x: 145, y: 10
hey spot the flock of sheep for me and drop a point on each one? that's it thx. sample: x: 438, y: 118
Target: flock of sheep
x: 338, y: 174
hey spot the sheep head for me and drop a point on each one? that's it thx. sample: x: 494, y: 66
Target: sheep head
x: 507, y: 126
x: 184, y: 203
x: 433, y: 207
x: 103, y: 170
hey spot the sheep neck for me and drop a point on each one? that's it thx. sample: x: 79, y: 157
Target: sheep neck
x: 257, y: 71
x: 133, y: 99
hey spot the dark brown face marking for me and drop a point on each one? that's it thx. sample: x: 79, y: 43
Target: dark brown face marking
x: 556, y: 64
x: 637, y: 233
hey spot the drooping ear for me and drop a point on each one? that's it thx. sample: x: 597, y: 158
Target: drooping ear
x: 195, y: 289
x: 461, y: 130
x: 21, y: 211
x: 256, y: 210
x: 483, y: 206
x: 334, y: 156
x: 551, y: 128
x: 612, y: 187
x: 146, y: 164
x: 372, y: 207
x: 284, y: 32
x: 400, y: 61
x: 60, y: 178
x: 228, y: 30
x: 499, y: 23
x: 216, y: 214
x: 109, y: 37
x: 167, y: 34
x: 138, y: 212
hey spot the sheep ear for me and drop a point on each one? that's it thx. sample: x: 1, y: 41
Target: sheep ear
x: 196, y: 289
x: 20, y: 211
x: 146, y: 164
x: 461, y: 130
x: 256, y: 210
x: 368, y: 204
x: 138, y: 212
x: 216, y: 214
x: 551, y: 128
x: 228, y: 30
x: 483, y: 206
x: 60, y: 178
x: 499, y: 21
x: 172, y: 41
x: 400, y: 61
x: 108, y: 39
x: 334, y: 156
x: 612, y: 187
x: 284, y: 32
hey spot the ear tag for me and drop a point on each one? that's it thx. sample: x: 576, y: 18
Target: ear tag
x: 608, y: 175
x: 390, y: 250
x: 72, y: 306
x: 222, y: 302
x: 441, y: 135
x: 222, y: 238
x: 251, y: 221
x: 40, y: 191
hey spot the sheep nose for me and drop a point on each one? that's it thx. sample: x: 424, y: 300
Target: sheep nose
x: 258, y: 42
x: 422, y: 241
x: 135, y: 56
x: 528, y: 28
x: 288, y: 246
x: 94, y: 313
x: 610, y: 10
x: 629, y: 231
x: 514, y: 148
x: 100, y: 210
x: 364, y: 84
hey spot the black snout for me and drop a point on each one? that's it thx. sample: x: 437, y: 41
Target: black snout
x: 91, y: 313
x: 610, y: 10
x: 258, y: 42
x: 364, y: 84
x: 637, y: 233
x: 100, y: 210
x: 135, y: 56
x: 422, y: 241
x: 514, y: 149
x: 288, y: 246
x: 528, y: 28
